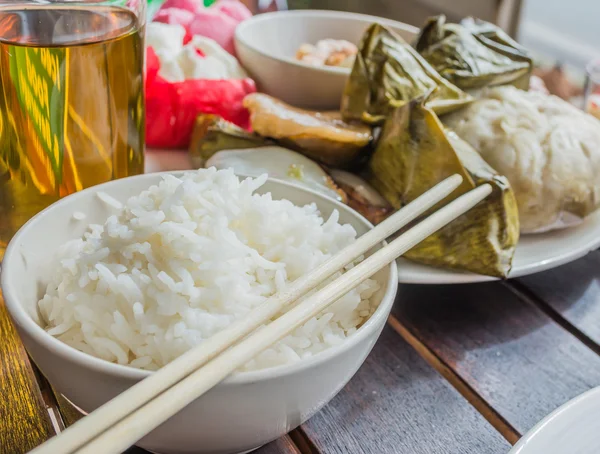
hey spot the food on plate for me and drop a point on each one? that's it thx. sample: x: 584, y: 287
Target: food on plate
x: 166, y: 40
x: 536, y: 83
x: 186, y: 5
x: 558, y: 82
x: 328, y: 52
x: 413, y: 154
x: 183, y: 81
x: 279, y: 163
x: 406, y: 124
x: 217, y: 22
x: 469, y: 55
x: 548, y: 149
x: 490, y: 34
x: 186, y: 258
x: 212, y: 134
x: 218, y: 143
x: 199, y: 58
x: 388, y: 73
x: 361, y: 196
x: 175, y: 16
x: 593, y: 105
x: 322, y: 136
x: 235, y: 9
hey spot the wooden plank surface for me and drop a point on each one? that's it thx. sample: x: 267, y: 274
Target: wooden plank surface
x: 508, y: 353
x: 24, y: 421
x: 571, y: 292
x: 284, y: 445
x: 397, y: 403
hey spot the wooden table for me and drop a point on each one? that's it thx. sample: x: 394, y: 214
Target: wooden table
x: 459, y: 369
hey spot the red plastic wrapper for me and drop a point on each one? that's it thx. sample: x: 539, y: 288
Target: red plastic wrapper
x: 172, y: 107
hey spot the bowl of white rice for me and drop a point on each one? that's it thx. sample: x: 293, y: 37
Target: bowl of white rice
x: 111, y: 283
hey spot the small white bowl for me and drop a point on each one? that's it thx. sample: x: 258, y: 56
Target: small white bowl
x: 266, y: 46
x: 242, y: 413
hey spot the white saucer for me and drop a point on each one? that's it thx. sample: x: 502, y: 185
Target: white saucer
x: 573, y: 428
x: 535, y: 253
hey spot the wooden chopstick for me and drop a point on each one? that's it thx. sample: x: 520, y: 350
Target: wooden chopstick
x: 110, y: 413
x: 143, y: 420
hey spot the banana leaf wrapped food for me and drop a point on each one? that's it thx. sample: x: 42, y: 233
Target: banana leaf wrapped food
x: 212, y: 133
x: 361, y: 196
x: 388, y: 72
x: 473, y: 54
x: 489, y: 33
x: 279, y: 163
x: 221, y: 144
x: 415, y: 152
x: 322, y: 136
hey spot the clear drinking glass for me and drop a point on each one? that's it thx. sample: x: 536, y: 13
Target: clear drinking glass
x: 72, y: 101
x: 592, y: 88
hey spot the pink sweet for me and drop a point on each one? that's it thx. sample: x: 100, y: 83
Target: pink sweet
x: 187, y: 5
x: 175, y: 16
x: 216, y: 25
x: 234, y: 9
x: 217, y: 22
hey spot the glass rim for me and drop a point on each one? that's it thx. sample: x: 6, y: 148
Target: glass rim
x: 137, y: 7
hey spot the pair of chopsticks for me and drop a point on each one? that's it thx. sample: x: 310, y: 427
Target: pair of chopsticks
x: 121, y: 422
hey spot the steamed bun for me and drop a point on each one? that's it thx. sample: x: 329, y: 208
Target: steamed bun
x: 548, y: 149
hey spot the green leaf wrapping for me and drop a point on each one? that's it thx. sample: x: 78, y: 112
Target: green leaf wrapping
x: 388, y: 73
x: 474, y: 54
x: 413, y: 154
x: 212, y: 134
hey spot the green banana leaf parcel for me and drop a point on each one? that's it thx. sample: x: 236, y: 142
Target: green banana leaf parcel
x: 212, y: 134
x: 474, y: 54
x: 388, y: 72
x: 415, y: 152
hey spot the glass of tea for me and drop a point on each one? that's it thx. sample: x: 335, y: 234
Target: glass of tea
x: 72, y: 101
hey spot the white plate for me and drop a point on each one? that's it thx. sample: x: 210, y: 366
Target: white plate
x: 571, y: 429
x: 534, y: 253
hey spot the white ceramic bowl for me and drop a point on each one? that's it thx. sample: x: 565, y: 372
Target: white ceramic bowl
x: 266, y: 46
x: 245, y: 411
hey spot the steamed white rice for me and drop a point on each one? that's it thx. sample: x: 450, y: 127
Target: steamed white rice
x: 183, y: 260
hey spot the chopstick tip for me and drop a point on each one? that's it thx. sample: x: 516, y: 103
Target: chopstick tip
x: 487, y: 188
x: 456, y: 179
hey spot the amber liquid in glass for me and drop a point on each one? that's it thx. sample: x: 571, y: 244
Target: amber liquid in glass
x: 71, y: 107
